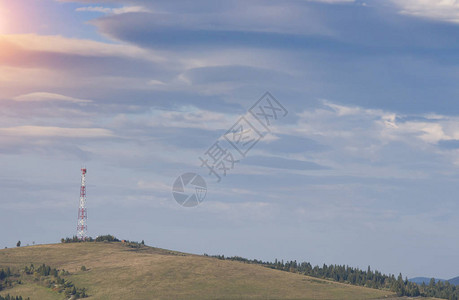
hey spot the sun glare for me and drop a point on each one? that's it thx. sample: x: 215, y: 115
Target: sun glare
x: 3, y: 19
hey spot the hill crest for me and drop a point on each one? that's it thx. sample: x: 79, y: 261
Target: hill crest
x: 115, y: 271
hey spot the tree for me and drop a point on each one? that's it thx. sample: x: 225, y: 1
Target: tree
x: 2, y: 274
x: 18, y: 244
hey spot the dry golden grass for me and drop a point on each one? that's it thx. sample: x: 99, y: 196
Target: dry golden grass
x: 115, y: 271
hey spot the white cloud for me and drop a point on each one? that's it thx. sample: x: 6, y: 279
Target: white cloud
x: 115, y: 11
x: 44, y: 96
x: 240, y: 211
x: 100, y: 9
x: 154, y: 185
x: 35, y: 62
x: 332, y: 1
x: 155, y: 82
x: 373, y: 141
x: 442, y: 10
x: 354, y: 121
x: 59, y: 44
x: 428, y: 132
x: 44, y: 131
x: 190, y: 117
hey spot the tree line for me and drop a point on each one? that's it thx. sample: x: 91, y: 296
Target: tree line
x: 356, y: 276
x: 44, y: 275
x: 52, y: 278
x: 8, y: 297
x: 103, y: 238
x: 8, y: 279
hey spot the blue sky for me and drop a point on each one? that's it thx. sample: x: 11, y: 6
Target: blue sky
x: 363, y: 170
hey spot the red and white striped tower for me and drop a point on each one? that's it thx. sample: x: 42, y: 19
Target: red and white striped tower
x: 82, y: 227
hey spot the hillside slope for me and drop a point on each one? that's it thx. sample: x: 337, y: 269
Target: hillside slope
x: 115, y: 271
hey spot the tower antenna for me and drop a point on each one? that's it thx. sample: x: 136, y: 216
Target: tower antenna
x: 82, y: 227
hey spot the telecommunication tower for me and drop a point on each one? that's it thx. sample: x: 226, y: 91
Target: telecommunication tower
x: 82, y: 227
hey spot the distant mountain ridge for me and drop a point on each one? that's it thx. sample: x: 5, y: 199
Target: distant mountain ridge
x: 426, y: 280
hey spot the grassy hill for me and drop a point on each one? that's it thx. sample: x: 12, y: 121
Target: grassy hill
x: 115, y: 271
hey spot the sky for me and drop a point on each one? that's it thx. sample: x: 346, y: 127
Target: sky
x: 363, y: 169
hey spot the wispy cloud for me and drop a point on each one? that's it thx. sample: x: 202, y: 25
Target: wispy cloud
x: 190, y: 117
x: 60, y: 44
x: 332, y: 1
x: 115, y: 11
x: 153, y: 185
x: 376, y: 124
x: 441, y: 10
x: 44, y: 96
x: 48, y: 131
